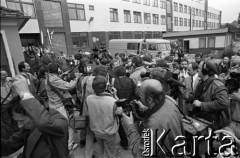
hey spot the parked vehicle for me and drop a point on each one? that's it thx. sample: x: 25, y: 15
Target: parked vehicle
x: 152, y: 46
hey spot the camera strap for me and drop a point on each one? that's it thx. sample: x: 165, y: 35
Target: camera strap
x: 6, y: 96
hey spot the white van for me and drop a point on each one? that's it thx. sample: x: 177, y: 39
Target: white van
x: 153, y: 46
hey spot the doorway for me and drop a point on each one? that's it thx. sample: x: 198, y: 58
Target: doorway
x: 186, y: 46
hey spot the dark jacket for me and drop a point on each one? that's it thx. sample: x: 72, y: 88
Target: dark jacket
x: 48, y: 140
x: 168, y: 117
x: 125, y: 87
x: 215, y: 106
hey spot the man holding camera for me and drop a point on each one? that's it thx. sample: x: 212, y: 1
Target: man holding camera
x: 211, y: 100
x: 102, y: 111
x: 162, y: 115
x: 55, y: 102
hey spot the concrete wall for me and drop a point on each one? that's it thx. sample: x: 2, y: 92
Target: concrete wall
x: 13, y: 39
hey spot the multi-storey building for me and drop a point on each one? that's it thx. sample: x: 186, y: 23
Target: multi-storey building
x: 81, y: 24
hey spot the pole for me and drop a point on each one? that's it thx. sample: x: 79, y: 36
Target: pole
x: 190, y: 23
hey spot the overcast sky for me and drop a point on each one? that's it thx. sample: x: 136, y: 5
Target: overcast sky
x: 229, y: 8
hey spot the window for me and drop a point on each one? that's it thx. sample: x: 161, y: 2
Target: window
x: 196, y: 12
x: 156, y: 34
x: 91, y: 7
x: 176, y: 21
x: 163, y: 4
x: 193, y: 11
x: 25, y: 6
x: 180, y: 8
x: 127, y: 16
x: 185, y: 21
x: 181, y: 21
x: 175, y: 6
x: 146, y: 2
x: 202, y: 23
x: 132, y: 46
x: 185, y: 9
x: 138, y: 35
x: 202, y: 42
x: 114, y: 35
x: 169, y: 7
x: 76, y: 12
x: 199, y: 23
x: 136, y: 1
x: 211, y: 42
x: 137, y: 17
x: 200, y: 14
x: 113, y: 15
x: 147, y: 18
x: 163, y: 20
x: 196, y: 23
x: 80, y: 39
x: 163, y: 47
x: 155, y: 3
x: 208, y: 14
x: 148, y: 35
x: 193, y: 23
x: 155, y: 19
x: 152, y: 46
x: 189, y: 10
x: 169, y: 22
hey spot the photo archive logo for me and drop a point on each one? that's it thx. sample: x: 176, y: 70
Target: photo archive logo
x: 213, y: 144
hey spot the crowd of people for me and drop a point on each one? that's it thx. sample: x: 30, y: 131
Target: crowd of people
x: 154, y: 93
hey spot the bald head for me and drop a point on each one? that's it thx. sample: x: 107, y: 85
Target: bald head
x: 152, y: 91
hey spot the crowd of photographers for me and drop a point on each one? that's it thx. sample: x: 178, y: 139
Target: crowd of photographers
x: 119, y: 96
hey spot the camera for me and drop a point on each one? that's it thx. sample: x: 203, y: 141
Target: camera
x: 233, y: 83
x: 130, y: 106
x: 146, y: 74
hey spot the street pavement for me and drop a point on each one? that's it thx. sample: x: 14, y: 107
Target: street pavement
x: 79, y: 152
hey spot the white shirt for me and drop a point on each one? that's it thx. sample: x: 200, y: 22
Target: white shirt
x: 194, y: 79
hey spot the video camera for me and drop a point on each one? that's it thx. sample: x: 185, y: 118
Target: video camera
x: 233, y: 84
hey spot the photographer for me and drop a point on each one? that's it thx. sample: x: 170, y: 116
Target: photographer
x: 233, y: 85
x: 211, y: 100
x: 101, y: 109
x: 162, y: 114
x: 55, y: 102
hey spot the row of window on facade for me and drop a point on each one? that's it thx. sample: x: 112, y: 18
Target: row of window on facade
x: 81, y: 39
x: 154, y: 3
x: 137, y: 17
x: 194, y: 11
x: 195, y: 23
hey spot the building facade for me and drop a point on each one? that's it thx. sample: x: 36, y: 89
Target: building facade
x: 81, y: 24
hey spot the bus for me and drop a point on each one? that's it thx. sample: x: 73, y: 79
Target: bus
x: 128, y: 46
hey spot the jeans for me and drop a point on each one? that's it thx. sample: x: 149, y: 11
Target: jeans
x: 89, y: 142
x: 107, y: 145
x: 123, y: 136
x: 63, y: 111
